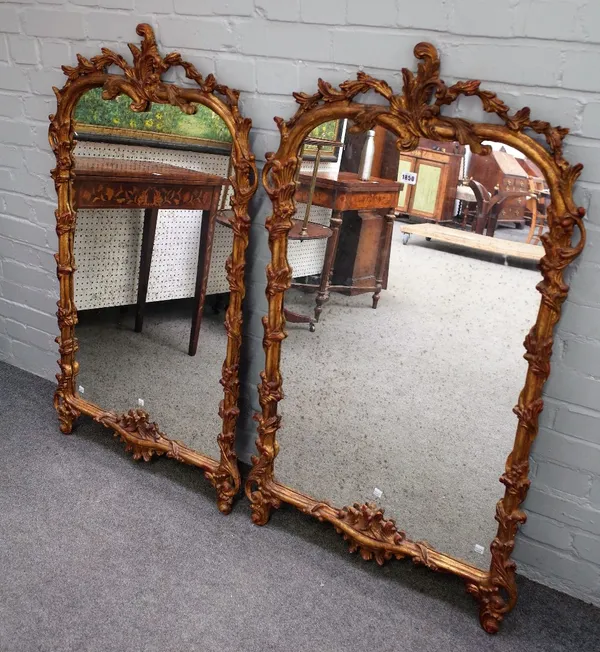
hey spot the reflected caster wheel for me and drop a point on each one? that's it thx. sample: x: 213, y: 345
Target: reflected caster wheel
x: 405, y: 238
x: 428, y: 239
x: 311, y: 327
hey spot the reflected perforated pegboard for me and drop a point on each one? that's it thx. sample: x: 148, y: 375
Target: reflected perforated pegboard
x: 306, y: 258
x: 108, y: 241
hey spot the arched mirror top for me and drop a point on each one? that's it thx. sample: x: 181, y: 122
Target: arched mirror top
x: 142, y: 83
x: 416, y: 113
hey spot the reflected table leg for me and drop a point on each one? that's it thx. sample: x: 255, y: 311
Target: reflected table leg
x: 384, y: 260
x: 332, y: 244
x: 207, y: 231
x: 150, y: 219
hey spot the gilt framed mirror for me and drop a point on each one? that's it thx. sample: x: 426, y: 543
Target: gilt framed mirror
x: 416, y: 263
x: 159, y: 191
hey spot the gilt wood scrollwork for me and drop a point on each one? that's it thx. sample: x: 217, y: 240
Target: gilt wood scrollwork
x: 142, y: 82
x: 409, y: 115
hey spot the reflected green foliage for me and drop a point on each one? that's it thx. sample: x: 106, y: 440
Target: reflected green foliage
x: 328, y: 130
x: 161, y: 118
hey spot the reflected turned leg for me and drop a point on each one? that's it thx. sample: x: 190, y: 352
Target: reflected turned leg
x: 332, y: 244
x: 383, y: 265
x: 150, y: 219
x: 532, y: 205
x: 491, y: 225
x: 540, y: 230
x: 207, y: 231
x: 479, y: 224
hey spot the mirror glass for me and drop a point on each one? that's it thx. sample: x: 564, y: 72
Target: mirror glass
x: 409, y: 405
x: 151, y: 243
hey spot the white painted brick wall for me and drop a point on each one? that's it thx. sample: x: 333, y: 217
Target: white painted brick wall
x: 541, y: 53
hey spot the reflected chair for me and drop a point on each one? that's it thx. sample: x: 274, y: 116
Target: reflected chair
x: 476, y: 200
x: 536, y: 209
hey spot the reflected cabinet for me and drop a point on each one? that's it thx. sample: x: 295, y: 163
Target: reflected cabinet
x: 400, y: 415
x: 153, y: 182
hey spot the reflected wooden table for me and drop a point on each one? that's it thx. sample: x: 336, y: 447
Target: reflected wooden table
x: 356, y: 222
x: 121, y: 183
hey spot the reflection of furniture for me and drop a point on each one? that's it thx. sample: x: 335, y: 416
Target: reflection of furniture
x: 471, y: 240
x: 358, y: 249
x: 353, y: 148
x: 438, y: 168
x: 534, y: 173
x: 313, y: 231
x: 116, y: 183
x: 501, y: 170
x: 475, y: 201
x: 303, y: 230
x: 536, y: 206
x: 481, y: 210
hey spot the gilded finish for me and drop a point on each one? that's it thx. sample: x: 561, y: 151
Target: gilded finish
x: 414, y: 113
x: 142, y: 438
x: 142, y: 83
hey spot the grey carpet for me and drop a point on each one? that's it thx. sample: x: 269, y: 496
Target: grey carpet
x: 101, y: 554
x: 414, y: 398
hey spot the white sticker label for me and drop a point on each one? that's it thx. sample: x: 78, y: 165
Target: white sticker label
x: 478, y: 548
x: 141, y: 402
x: 409, y: 177
x: 377, y: 493
x: 81, y: 390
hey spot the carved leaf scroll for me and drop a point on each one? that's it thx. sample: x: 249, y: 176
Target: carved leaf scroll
x: 368, y: 519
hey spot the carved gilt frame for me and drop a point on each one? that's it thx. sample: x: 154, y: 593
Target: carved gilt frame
x: 142, y: 83
x: 414, y: 113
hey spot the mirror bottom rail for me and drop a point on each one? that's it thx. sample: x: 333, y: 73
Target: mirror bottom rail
x: 377, y: 538
x: 144, y: 440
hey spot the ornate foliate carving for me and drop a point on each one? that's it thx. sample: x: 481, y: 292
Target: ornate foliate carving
x: 368, y: 519
x: 423, y: 556
x: 142, y: 80
x: 258, y: 487
x: 417, y: 110
x: 538, y: 354
x: 136, y: 431
x: 67, y: 414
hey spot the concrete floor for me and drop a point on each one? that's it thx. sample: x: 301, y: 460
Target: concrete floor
x: 414, y: 399
x: 181, y: 393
